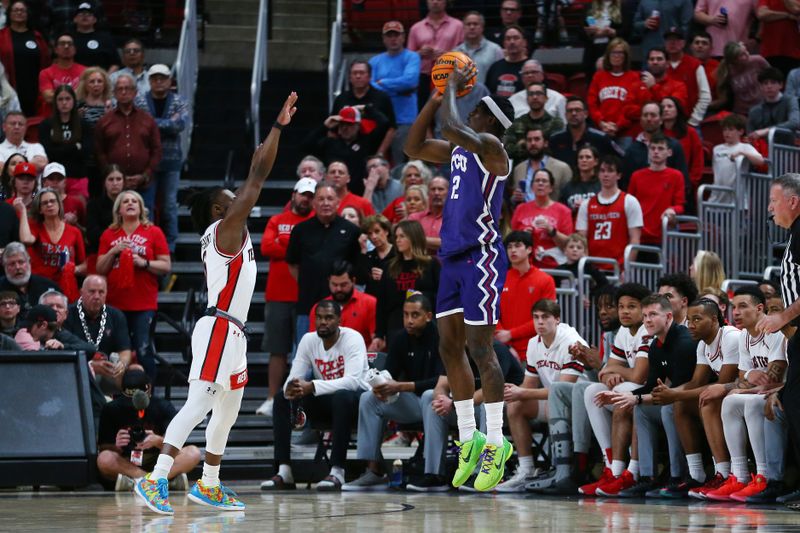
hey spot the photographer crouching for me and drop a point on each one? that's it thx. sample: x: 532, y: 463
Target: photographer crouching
x: 131, y: 435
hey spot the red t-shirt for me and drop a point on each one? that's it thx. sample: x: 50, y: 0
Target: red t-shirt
x: 686, y: 71
x: 391, y: 211
x: 357, y: 314
x: 520, y: 293
x: 693, y: 151
x: 616, y: 98
x: 48, y: 257
x: 359, y: 202
x: 546, y: 252
x: 53, y: 76
x: 149, y: 242
x: 281, y: 286
x: 780, y: 37
x: 657, y: 191
x: 671, y: 87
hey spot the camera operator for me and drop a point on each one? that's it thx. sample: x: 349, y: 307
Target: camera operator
x: 131, y: 435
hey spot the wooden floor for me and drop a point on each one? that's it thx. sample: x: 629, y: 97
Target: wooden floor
x: 386, y: 511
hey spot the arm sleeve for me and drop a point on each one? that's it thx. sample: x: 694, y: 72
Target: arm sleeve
x: 270, y: 246
x: 582, y: 220
x: 679, y: 197
x: 730, y: 348
x: 302, y: 361
x: 653, y: 374
x: 777, y: 351
x: 176, y: 121
x: 696, y: 159
x: 294, y: 249
x: 793, y: 120
x: 633, y: 212
x: 355, y: 360
x: 745, y: 363
x: 530, y: 362
x: 703, y: 97
x: 593, y: 99
x: 407, y: 80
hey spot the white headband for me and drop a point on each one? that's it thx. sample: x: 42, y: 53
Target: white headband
x: 499, y: 115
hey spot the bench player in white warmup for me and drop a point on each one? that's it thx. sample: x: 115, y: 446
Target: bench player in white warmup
x: 219, y: 343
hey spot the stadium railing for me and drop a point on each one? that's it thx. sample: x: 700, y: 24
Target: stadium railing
x: 586, y: 322
x: 772, y: 272
x: 567, y: 295
x: 680, y: 242
x: 186, y: 67
x: 259, y: 70
x: 720, y: 226
x: 336, y: 63
x: 640, y: 272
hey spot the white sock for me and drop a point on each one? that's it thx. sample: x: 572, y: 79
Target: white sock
x: 338, y: 473
x: 761, y: 468
x: 695, y: 461
x: 163, y: 466
x: 739, y: 467
x: 633, y: 468
x: 210, y: 475
x: 494, y: 423
x: 526, y: 464
x: 285, y: 471
x: 465, y: 412
x: 617, y: 467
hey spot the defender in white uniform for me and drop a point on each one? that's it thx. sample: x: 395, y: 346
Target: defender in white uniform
x: 219, y: 343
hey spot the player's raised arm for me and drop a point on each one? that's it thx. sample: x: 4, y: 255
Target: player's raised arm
x: 487, y: 146
x: 418, y: 146
x: 229, y: 234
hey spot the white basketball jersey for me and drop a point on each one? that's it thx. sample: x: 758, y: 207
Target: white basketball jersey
x: 230, y: 279
x: 756, y: 353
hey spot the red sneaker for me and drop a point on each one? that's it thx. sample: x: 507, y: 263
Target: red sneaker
x: 723, y: 494
x: 590, y: 489
x: 757, y: 485
x: 612, y: 487
x: 712, y: 484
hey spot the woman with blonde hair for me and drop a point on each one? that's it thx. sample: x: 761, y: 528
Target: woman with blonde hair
x: 133, y: 254
x: 707, y: 270
x: 738, y: 88
x: 410, y: 270
x: 416, y: 199
x: 414, y: 172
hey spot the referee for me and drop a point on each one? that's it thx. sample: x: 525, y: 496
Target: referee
x: 784, y: 205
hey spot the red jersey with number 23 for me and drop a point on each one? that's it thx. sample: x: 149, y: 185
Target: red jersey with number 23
x: 607, y: 228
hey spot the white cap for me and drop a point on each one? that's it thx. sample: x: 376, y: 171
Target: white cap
x: 159, y: 69
x: 305, y: 185
x: 54, y: 168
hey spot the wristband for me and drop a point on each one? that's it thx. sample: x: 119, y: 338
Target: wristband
x: 278, y: 126
x: 638, y: 399
x: 146, y: 264
x: 747, y: 374
x: 552, y: 232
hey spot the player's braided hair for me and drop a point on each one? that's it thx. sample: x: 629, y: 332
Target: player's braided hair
x: 710, y: 308
x: 200, y: 201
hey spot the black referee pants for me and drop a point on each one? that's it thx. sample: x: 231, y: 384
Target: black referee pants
x: 790, y: 396
x: 339, y: 410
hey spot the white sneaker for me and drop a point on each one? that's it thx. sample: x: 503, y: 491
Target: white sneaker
x: 517, y: 482
x: 369, y: 481
x: 265, y: 409
x: 398, y: 440
x: 123, y: 484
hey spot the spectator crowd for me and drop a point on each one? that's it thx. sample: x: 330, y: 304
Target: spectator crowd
x: 91, y: 162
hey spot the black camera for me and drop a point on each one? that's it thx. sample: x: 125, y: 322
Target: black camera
x: 138, y: 434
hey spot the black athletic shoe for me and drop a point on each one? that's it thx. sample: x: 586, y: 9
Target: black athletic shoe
x: 656, y: 491
x: 768, y: 495
x: 792, y: 497
x: 681, y: 491
x: 639, y: 490
x: 562, y: 487
x: 429, y: 483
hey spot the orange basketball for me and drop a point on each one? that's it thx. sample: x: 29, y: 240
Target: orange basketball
x: 445, y: 64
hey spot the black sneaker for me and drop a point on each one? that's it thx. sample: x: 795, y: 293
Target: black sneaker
x: 656, y: 491
x: 639, y: 490
x: 792, y: 497
x: 681, y: 491
x: 562, y: 487
x: 768, y: 495
x: 429, y: 483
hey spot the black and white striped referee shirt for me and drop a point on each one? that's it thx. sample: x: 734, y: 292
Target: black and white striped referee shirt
x: 790, y: 267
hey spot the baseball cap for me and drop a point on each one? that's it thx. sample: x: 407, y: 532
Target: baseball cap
x: 85, y: 6
x: 38, y: 313
x: 393, y: 25
x: 673, y: 31
x: 135, y: 379
x: 159, y: 69
x: 349, y: 114
x: 25, y: 169
x: 54, y: 168
x: 305, y: 185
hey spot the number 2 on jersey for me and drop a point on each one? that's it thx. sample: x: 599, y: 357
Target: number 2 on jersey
x: 454, y: 187
x: 602, y: 232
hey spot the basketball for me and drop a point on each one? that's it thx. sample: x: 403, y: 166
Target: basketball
x: 444, y: 65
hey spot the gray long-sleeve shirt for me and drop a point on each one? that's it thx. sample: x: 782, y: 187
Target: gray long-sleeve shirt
x: 784, y: 113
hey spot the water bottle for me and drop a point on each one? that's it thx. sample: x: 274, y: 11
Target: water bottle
x: 396, y: 481
x: 591, y: 21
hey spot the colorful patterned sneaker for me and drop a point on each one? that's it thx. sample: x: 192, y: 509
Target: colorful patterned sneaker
x: 493, y: 465
x: 469, y: 453
x: 590, y: 489
x: 712, y: 484
x: 612, y: 488
x: 154, y: 493
x: 218, y: 497
x: 757, y: 485
x: 723, y: 494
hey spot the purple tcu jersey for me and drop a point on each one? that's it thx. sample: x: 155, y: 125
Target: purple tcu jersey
x: 472, y: 211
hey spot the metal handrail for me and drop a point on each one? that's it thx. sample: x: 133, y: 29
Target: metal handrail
x: 335, y: 71
x: 186, y: 67
x: 259, y: 70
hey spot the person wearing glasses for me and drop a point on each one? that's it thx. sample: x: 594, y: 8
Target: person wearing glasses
x: 133, y: 61
x: 63, y: 71
x: 9, y: 313
x: 138, y: 156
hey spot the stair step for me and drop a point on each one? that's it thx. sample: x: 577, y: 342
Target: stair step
x: 310, y: 19
x: 217, y: 6
x: 230, y: 33
x: 299, y: 6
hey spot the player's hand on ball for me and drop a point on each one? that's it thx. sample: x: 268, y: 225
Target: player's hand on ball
x: 460, y: 76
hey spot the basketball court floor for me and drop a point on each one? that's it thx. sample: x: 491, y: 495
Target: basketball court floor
x: 302, y: 510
